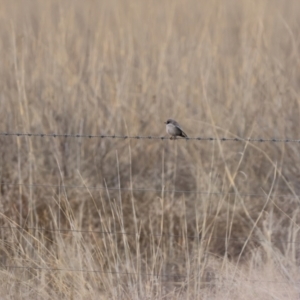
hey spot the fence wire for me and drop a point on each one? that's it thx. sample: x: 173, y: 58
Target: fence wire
x: 139, y: 235
x: 256, y: 195
x: 175, y: 276
x: 150, y: 137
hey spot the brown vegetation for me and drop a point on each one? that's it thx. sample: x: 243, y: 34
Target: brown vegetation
x: 222, y: 69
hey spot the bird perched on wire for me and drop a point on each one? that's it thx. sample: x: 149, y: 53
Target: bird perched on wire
x: 174, y: 129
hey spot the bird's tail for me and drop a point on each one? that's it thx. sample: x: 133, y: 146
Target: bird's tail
x: 183, y: 134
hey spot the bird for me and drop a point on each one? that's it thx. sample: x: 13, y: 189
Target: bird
x: 174, y: 129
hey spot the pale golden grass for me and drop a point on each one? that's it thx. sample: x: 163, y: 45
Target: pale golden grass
x: 221, y: 68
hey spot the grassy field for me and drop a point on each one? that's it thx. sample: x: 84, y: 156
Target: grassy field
x: 99, y: 218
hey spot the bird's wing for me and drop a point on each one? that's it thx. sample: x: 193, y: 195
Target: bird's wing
x: 182, y: 132
x: 178, y: 126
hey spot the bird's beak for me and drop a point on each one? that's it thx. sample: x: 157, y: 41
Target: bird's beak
x: 165, y: 122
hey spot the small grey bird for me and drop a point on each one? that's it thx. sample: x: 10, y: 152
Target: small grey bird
x: 174, y: 129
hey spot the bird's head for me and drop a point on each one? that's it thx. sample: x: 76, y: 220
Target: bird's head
x: 169, y: 121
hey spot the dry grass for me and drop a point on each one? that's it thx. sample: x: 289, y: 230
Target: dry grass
x: 222, y: 68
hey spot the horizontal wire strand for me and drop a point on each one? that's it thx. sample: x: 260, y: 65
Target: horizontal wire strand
x: 175, y: 276
x: 138, y: 234
x: 89, y: 271
x: 146, y: 190
x: 105, y: 136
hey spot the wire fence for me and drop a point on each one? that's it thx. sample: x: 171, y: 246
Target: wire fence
x: 198, y: 237
x: 150, y: 137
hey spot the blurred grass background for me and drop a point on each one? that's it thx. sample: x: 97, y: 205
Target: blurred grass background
x: 222, y: 69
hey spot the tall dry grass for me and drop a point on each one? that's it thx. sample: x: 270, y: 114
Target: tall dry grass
x: 221, y: 68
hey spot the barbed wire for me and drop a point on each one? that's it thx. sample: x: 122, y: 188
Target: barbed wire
x: 174, y: 275
x: 150, y: 137
x: 258, y: 195
x: 199, y: 237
